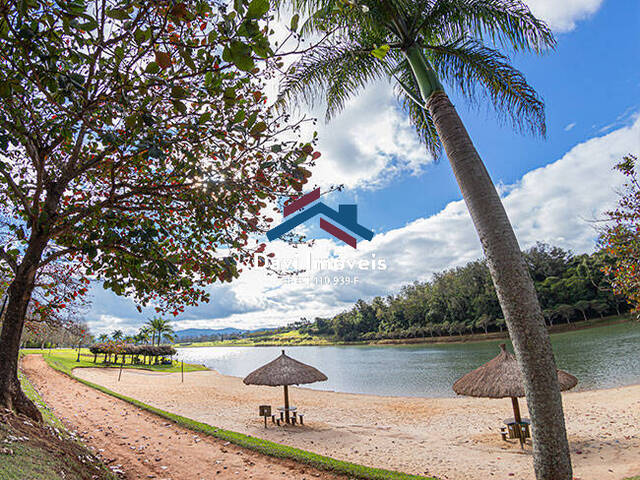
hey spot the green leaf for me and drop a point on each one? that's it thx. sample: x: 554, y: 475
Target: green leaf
x: 257, y: 8
x: 117, y: 14
x: 239, y: 54
x: 239, y: 116
x: 294, y: 22
x: 88, y: 26
x: 181, y: 107
x: 178, y: 92
x: 152, y: 68
x: 258, y: 128
x: 5, y: 90
x: 381, y: 52
x: 188, y: 59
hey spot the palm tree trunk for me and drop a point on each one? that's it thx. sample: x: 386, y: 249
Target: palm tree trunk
x: 515, y: 291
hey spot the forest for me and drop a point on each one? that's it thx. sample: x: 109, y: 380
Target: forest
x: 463, y: 300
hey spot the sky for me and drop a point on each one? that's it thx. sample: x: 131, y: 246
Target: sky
x: 555, y: 189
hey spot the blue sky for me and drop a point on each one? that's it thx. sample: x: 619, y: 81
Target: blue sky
x: 553, y: 188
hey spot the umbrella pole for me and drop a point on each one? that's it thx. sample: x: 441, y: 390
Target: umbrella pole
x: 518, y: 419
x: 516, y: 409
x: 286, y: 403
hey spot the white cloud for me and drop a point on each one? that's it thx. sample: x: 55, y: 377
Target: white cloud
x: 570, y: 126
x: 557, y: 204
x: 369, y: 143
x: 562, y: 15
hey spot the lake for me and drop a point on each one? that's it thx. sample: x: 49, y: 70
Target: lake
x: 600, y: 357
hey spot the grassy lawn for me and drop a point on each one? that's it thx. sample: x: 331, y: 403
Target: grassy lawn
x: 66, y: 359
x: 252, y: 443
x: 44, y: 452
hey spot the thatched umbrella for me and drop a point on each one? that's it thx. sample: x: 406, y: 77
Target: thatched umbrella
x: 501, y: 378
x: 284, y: 371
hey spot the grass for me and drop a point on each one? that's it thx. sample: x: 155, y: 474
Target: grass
x: 260, y: 445
x: 44, y: 452
x: 68, y: 357
x: 291, y: 338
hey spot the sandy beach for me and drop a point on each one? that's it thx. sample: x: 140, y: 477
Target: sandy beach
x: 450, y: 438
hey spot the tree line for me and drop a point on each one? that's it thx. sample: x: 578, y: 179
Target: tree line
x: 463, y: 300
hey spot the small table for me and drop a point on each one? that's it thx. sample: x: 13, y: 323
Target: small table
x: 291, y: 410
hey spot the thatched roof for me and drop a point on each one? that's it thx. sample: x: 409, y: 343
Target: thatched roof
x: 501, y: 377
x: 284, y: 370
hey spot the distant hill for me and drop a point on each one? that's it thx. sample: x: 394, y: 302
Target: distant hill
x: 197, y: 332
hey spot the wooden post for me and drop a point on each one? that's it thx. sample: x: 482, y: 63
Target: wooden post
x: 182, y: 371
x: 518, y: 420
x: 286, y: 403
x: 121, y: 365
x: 516, y: 409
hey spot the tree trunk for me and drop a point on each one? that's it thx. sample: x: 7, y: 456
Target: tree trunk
x: 515, y: 290
x: 11, y: 395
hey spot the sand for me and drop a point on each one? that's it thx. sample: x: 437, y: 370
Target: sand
x: 450, y: 438
x: 139, y: 445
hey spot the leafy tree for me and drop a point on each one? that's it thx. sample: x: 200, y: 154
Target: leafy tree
x: 419, y: 46
x: 598, y: 306
x: 621, y: 237
x: 583, y: 307
x: 483, y: 322
x: 565, y: 311
x: 139, y: 151
x: 548, y: 314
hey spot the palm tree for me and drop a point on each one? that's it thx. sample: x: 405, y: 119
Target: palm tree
x: 103, y: 338
x: 420, y: 45
x: 143, y: 334
x: 150, y: 330
x: 161, y: 326
x: 117, y: 335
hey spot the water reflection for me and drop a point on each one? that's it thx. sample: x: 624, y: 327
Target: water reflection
x: 601, y: 358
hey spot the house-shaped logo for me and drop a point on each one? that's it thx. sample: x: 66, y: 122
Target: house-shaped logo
x: 346, y: 217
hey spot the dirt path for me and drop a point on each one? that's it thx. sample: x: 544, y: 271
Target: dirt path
x: 143, y: 445
x: 450, y: 438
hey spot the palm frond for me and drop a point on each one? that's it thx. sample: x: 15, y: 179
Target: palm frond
x: 467, y: 64
x: 335, y: 72
x: 505, y: 22
x: 418, y: 116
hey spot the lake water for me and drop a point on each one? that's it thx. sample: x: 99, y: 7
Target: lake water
x: 600, y: 357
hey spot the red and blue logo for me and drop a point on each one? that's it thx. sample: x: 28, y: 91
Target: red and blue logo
x: 346, y: 216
